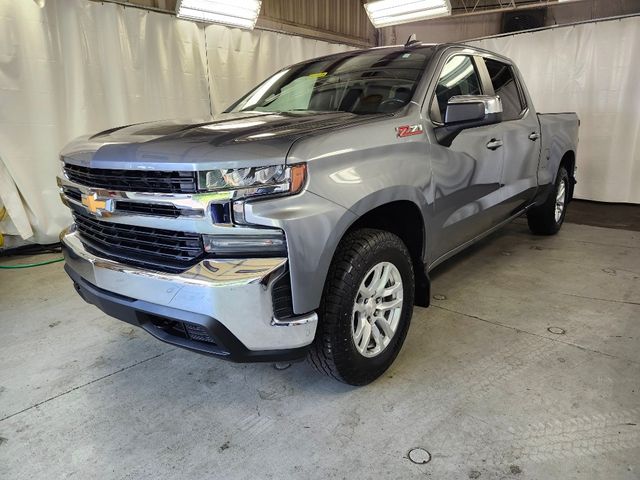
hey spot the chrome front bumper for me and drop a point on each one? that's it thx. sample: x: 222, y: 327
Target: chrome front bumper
x: 229, y: 297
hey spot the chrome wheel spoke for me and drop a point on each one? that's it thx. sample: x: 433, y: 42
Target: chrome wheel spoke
x: 375, y: 279
x: 377, y: 338
x: 560, y: 200
x: 365, y: 337
x: 364, y: 292
x: 561, y: 191
x: 389, y: 305
x: 384, y: 279
x: 381, y: 322
x: 387, y: 292
x: 359, y: 329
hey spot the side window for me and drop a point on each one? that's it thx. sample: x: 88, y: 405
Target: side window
x: 458, y: 77
x: 505, y: 86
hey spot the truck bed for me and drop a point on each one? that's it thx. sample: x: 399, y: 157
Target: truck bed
x: 559, y: 134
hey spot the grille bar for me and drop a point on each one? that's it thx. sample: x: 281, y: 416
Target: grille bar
x: 142, y: 208
x: 133, y: 180
x: 73, y: 193
x: 162, y: 250
x: 156, y: 209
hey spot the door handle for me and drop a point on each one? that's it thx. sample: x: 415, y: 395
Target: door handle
x: 534, y: 136
x: 494, y: 144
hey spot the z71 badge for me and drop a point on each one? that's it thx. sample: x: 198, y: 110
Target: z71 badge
x: 409, y: 130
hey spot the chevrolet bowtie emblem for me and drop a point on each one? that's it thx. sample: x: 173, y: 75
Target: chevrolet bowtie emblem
x: 100, y: 207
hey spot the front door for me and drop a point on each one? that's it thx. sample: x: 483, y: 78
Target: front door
x: 467, y: 171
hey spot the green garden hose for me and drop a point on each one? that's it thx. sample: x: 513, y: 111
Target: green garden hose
x: 29, y: 265
x: 3, y: 213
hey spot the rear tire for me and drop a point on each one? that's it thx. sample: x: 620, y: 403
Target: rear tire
x: 366, y: 307
x: 547, y: 218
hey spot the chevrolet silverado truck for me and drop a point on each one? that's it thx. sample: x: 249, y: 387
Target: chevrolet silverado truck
x: 305, y: 219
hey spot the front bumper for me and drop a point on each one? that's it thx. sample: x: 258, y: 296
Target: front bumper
x: 218, y: 307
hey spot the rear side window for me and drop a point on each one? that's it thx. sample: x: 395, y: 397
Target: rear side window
x: 505, y: 86
x: 458, y: 77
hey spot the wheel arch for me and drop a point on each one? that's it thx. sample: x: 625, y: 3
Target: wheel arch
x: 405, y: 219
x: 569, y: 162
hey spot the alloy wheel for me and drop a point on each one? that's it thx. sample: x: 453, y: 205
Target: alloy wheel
x: 377, y: 309
x: 560, y: 200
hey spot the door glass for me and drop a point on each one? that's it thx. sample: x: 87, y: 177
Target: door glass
x: 504, y: 84
x: 458, y: 77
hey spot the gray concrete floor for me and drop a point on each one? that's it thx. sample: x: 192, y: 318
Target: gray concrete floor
x: 481, y: 383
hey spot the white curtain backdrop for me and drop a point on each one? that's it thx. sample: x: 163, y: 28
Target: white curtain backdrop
x: 593, y: 69
x: 75, y: 67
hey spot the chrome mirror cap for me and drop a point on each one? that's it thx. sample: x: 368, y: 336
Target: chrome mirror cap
x: 492, y: 103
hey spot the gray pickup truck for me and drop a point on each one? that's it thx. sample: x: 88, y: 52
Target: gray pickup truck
x: 305, y: 219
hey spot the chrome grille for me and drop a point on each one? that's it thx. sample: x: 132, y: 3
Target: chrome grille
x: 156, y: 209
x: 142, y: 208
x: 152, y: 248
x: 151, y: 181
x: 72, y: 193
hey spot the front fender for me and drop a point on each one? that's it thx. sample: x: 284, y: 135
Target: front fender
x: 313, y: 227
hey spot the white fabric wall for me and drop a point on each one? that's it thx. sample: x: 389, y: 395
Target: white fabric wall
x: 75, y: 67
x: 593, y: 69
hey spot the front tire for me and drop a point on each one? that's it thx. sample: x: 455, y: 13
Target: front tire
x: 547, y: 218
x: 366, y: 307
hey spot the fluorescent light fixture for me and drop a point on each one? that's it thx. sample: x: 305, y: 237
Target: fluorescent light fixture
x: 456, y: 69
x: 233, y: 13
x: 384, y: 13
x: 234, y: 125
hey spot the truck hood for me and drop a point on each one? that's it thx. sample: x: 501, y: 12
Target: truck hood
x: 230, y: 140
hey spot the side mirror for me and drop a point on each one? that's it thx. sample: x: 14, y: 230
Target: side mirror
x: 468, y: 111
x: 473, y: 109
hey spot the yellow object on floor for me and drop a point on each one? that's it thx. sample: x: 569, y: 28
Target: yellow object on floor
x: 3, y: 213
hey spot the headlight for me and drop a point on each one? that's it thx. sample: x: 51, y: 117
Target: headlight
x: 254, y: 181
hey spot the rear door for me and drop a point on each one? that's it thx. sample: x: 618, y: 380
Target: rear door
x: 521, y: 138
x: 467, y: 170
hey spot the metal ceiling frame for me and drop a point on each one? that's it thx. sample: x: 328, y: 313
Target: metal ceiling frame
x: 473, y: 6
x: 509, y: 6
x: 470, y: 6
x: 553, y: 27
x: 267, y: 25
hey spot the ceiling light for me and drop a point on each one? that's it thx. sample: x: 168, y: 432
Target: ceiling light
x: 233, y: 13
x: 384, y: 13
x: 234, y: 125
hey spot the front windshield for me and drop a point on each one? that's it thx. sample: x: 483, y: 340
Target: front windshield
x: 364, y: 82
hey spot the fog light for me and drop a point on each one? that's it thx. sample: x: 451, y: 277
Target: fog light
x: 268, y: 245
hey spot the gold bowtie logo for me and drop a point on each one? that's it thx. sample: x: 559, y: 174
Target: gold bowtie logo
x: 96, y: 205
